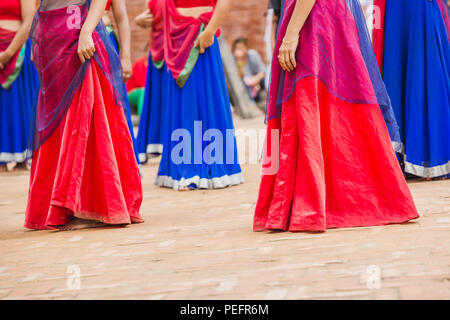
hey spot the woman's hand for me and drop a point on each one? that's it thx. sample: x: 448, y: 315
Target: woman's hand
x: 288, y: 49
x: 126, y: 68
x: 287, y: 52
x: 204, y: 40
x: 5, y: 56
x: 86, y: 46
x: 145, y: 19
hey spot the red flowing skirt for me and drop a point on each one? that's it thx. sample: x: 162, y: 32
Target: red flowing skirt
x: 87, y: 168
x: 337, y: 167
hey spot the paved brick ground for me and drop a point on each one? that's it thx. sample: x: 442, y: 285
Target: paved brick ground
x: 200, y: 245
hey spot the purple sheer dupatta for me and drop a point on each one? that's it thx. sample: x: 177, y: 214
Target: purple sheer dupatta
x: 54, y: 36
x: 334, y: 46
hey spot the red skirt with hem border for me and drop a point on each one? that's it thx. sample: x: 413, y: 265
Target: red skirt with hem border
x: 87, y: 168
x: 337, y: 167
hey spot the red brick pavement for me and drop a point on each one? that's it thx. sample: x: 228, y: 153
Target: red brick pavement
x: 199, y: 244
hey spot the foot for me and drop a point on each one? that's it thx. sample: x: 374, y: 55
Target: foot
x: 77, y: 224
x: 28, y: 164
x: 190, y: 187
x: 10, y: 166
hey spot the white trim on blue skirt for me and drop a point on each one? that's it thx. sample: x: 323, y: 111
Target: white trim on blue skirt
x: 151, y: 149
x: 427, y: 172
x: 13, y: 157
x: 201, y: 183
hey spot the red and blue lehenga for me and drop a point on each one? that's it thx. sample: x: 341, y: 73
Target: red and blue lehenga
x: 83, y: 160
x: 415, y: 55
x: 329, y: 160
x: 198, y: 143
x: 19, y: 83
x: 149, y: 138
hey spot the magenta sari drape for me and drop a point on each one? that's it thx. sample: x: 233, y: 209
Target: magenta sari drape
x: 60, y: 70
x: 157, y: 33
x: 329, y: 61
x: 178, y: 35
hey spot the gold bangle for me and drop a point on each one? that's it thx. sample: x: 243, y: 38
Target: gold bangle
x: 288, y: 41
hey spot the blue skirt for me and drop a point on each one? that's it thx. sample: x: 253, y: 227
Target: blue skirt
x: 149, y: 140
x: 199, y: 146
x: 113, y: 38
x: 417, y: 76
x: 15, y: 109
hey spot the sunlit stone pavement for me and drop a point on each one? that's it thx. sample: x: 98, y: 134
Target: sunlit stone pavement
x: 200, y: 245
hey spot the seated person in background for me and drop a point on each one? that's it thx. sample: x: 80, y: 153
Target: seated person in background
x: 136, y: 84
x: 251, y: 68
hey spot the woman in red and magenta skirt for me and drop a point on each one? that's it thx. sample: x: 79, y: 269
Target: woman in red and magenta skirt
x: 329, y: 159
x: 84, y: 172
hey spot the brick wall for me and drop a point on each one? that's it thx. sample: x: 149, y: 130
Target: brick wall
x: 245, y: 19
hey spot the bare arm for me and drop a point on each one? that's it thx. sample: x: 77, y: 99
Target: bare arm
x: 206, y: 38
x: 27, y: 10
x: 145, y: 19
x: 123, y: 26
x: 301, y: 12
x: 86, y: 46
x: 219, y: 16
x: 290, y: 42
